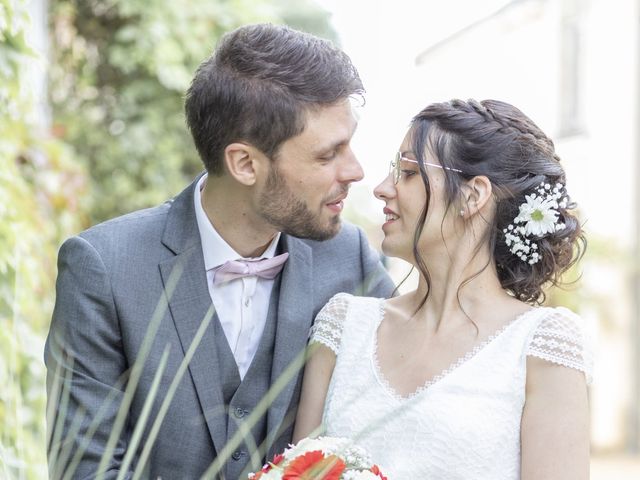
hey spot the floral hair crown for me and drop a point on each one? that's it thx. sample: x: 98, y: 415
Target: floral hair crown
x: 538, y: 216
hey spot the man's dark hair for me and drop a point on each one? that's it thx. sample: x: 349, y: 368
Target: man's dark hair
x: 258, y: 85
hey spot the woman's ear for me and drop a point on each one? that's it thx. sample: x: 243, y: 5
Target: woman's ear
x: 241, y: 161
x: 476, y: 194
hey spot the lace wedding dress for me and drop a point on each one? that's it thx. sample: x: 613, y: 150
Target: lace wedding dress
x: 463, y: 424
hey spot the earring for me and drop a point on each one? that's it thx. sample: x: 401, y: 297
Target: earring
x: 462, y: 212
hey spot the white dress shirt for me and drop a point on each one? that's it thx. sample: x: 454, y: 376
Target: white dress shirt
x: 242, y: 304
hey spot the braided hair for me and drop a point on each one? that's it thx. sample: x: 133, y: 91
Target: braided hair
x: 494, y: 139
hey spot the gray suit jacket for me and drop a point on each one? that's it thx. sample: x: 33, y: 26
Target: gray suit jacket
x: 142, y: 276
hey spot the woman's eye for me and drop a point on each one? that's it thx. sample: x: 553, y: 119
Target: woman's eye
x: 408, y: 173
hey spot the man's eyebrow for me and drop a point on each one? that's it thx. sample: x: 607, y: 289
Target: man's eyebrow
x: 329, y: 147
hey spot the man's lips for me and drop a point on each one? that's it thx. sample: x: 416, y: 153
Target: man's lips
x: 337, y: 205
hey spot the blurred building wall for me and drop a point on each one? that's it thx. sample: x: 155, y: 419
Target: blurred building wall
x: 37, y: 38
x: 572, y: 66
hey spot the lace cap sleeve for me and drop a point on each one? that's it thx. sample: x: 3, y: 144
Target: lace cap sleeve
x: 327, y: 328
x: 561, y: 338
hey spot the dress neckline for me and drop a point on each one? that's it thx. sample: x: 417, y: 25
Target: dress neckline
x: 462, y: 360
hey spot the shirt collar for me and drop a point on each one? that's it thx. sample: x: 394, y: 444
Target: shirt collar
x: 215, y: 249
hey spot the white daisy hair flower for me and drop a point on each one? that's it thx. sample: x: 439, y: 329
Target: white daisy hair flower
x: 537, y: 217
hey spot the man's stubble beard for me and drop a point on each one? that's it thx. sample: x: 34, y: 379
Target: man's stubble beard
x: 289, y: 214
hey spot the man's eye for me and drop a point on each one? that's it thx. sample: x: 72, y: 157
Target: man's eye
x: 329, y: 156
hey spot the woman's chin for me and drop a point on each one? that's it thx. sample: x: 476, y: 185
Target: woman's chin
x: 385, y: 248
x: 393, y: 251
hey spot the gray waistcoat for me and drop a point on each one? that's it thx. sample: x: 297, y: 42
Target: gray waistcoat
x: 241, y: 398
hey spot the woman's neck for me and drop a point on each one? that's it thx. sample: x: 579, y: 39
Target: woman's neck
x: 462, y: 285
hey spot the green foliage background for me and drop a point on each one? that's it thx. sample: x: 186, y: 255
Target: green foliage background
x: 117, y: 75
x: 41, y: 187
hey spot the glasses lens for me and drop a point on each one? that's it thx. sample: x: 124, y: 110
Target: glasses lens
x: 394, y: 168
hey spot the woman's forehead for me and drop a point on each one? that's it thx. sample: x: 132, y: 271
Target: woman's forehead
x: 407, y: 149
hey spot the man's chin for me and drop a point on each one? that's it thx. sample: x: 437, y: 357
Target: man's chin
x: 326, y: 232
x: 334, y: 226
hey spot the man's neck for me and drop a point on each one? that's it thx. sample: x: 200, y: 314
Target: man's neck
x: 229, y: 210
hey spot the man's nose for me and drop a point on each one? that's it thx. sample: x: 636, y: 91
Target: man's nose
x: 351, y: 170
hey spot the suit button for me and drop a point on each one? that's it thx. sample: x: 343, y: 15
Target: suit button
x: 237, y: 455
x: 239, y: 412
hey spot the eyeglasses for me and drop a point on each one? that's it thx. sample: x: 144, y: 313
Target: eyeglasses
x: 396, y: 171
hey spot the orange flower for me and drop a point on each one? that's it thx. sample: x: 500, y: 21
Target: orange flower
x: 314, y: 466
x: 376, y: 471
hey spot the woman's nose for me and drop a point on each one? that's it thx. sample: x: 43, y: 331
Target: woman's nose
x: 385, y: 189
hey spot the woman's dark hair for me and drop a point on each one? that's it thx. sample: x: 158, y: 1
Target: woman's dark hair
x: 496, y: 140
x: 258, y: 85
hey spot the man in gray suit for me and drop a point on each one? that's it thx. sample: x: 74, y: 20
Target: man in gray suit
x: 178, y: 331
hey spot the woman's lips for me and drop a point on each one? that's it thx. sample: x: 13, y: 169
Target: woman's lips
x: 390, y: 216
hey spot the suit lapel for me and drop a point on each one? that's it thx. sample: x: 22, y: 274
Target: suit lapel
x: 295, y: 316
x: 189, y: 305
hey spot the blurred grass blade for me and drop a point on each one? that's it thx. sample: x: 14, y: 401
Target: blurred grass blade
x: 171, y: 392
x: 68, y: 444
x: 136, y: 371
x: 93, y: 427
x: 62, y: 410
x: 261, y: 408
x: 54, y: 395
x: 146, y: 410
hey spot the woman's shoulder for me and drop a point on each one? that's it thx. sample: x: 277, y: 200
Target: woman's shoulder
x: 341, y: 311
x: 536, y: 319
x: 558, y: 322
x: 342, y: 302
x: 560, y: 336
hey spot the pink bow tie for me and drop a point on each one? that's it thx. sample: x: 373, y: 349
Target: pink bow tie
x: 265, y: 268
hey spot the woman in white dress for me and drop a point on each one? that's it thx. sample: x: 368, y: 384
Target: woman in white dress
x: 466, y: 377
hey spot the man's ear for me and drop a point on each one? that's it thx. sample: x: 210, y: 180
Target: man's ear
x: 242, y: 161
x: 476, y: 193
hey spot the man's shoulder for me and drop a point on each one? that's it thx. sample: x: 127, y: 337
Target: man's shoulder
x: 131, y: 225
x: 175, y: 216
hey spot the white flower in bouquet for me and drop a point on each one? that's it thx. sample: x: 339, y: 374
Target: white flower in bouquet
x: 360, y: 475
x: 323, y: 458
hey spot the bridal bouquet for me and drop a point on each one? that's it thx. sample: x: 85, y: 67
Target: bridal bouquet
x: 323, y: 458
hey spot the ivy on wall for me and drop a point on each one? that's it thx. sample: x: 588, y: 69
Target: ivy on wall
x: 41, y: 198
